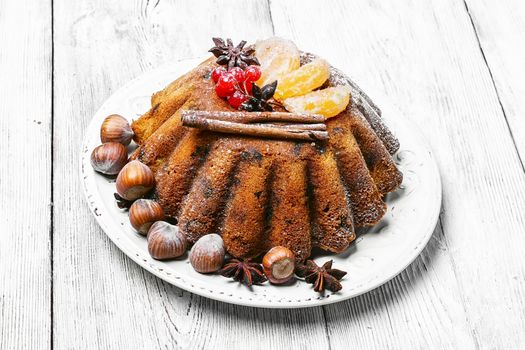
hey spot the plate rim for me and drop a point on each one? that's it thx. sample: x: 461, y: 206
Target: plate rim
x: 178, y: 282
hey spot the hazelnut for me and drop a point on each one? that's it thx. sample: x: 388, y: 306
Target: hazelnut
x: 207, y: 254
x: 134, y: 180
x: 143, y: 213
x: 115, y: 128
x: 165, y: 241
x: 109, y: 158
x: 279, y: 264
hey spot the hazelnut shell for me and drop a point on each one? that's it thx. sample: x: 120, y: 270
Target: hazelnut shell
x: 166, y: 241
x: 109, y: 158
x: 115, y: 128
x: 279, y: 264
x: 135, y: 180
x: 207, y: 254
x: 143, y: 213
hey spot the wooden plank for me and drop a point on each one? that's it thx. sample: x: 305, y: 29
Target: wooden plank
x: 25, y: 177
x: 500, y: 28
x: 425, y: 57
x: 102, y: 299
x: 420, y: 308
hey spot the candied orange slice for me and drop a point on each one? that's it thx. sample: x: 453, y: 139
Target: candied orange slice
x: 277, y: 57
x: 328, y: 102
x: 302, y: 80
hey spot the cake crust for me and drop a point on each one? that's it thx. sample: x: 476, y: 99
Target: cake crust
x: 260, y: 193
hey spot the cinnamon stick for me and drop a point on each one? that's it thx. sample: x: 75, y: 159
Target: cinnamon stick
x: 257, y: 130
x: 252, y: 117
x: 319, y: 127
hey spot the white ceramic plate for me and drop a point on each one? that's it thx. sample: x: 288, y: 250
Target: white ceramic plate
x: 373, y: 259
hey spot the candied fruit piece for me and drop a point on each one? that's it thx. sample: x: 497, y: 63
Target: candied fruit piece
x: 328, y: 102
x: 302, y: 80
x: 277, y: 57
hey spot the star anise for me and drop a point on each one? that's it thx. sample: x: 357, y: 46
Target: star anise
x: 243, y: 271
x: 233, y: 56
x: 321, y: 276
x: 259, y: 99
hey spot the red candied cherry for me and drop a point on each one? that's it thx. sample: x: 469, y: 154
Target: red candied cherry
x: 247, y: 87
x: 237, y: 99
x: 217, y: 72
x: 252, y: 73
x: 238, y: 73
x: 225, y: 85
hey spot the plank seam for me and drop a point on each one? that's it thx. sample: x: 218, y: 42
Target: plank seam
x: 494, y: 84
x: 146, y: 289
x: 326, y: 327
x: 52, y: 177
x: 471, y: 329
x: 269, y: 4
x: 384, y: 297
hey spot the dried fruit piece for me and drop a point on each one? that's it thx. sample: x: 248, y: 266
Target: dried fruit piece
x: 277, y: 57
x: 237, y: 99
x: 226, y: 85
x: 303, y: 80
x: 238, y: 73
x: 217, y: 72
x: 252, y: 74
x: 328, y: 102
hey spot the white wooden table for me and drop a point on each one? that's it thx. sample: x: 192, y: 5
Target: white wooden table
x: 456, y: 68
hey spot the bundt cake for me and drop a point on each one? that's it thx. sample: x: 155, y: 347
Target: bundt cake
x: 259, y: 193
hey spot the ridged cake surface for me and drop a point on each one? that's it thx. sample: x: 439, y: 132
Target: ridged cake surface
x: 260, y: 193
